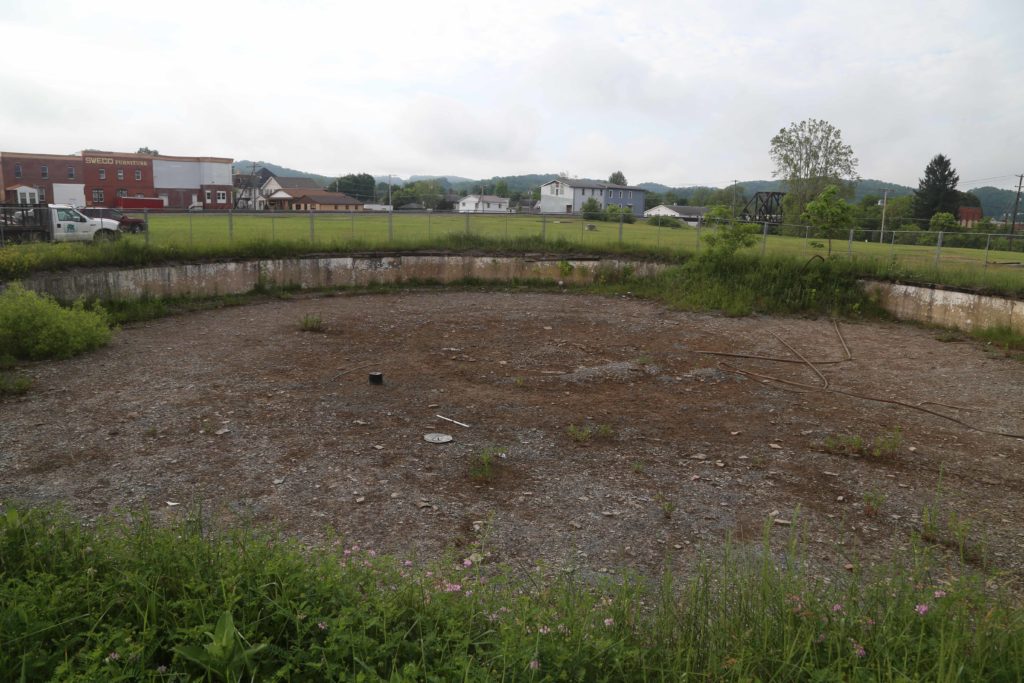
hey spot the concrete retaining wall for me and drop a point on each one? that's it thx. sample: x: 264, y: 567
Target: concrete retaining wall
x: 211, y: 279
x: 946, y: 308
x: 941, y: 307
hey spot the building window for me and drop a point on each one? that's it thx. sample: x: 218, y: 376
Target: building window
x: 42, y: 195
x: 44, y: 172
x: 138, y: 174
x: 222, y: 197
x: 17, y: 172
x: 120, y: 174
x: 208, y: 195
x: 122, y: 193
x: 71, y: 172
x: 140, y: 195
x: 97, y: 196
x: 103, y: 174
x: 630, y: 194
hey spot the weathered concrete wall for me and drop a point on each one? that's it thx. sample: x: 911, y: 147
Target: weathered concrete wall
x: 946, y: 308
x: 210, y: 279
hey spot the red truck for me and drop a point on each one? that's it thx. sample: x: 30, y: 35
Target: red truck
x: 139, y: 203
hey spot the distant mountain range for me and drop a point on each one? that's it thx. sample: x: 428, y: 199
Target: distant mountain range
x: 995, y: 202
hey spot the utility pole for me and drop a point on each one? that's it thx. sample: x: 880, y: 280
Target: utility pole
x: 885, y: 197
x: 390, y: 208
x: 734, y: 184
x: 1016, y: 203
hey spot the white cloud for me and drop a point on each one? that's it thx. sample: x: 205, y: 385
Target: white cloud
x: 674, y: 92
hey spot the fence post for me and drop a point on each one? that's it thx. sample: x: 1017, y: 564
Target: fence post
x: 938, y: 249
x: 620, y: 228
x: 190, y: 228
x: 988, y: 241
x: 428, y: 225
x: 467, y: 222
x: 352, y: 214
x: 391, y: 224
x: 312, y: 234
x: 892, y: 247
x: 145, y: 215
x: 849, y: 245
x: 543, y: 227
x: 764, y: 238
x: 506, y: 224
x: 698, y: 235
x: 807, y: 236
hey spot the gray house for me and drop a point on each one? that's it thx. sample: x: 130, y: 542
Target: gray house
x: 565, y: 195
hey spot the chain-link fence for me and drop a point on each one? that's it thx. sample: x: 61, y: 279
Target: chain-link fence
x: 407, y: 229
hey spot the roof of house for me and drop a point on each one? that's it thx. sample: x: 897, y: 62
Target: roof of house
x: 294, y: 182
x: 687, y: 210
x: 593, y: 184
x: 325, y: 197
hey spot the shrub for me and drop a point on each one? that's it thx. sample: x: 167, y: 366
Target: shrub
x: 614, y: 211
x: 36, y: 327
x: 664, y: 222
x: 592, y: 210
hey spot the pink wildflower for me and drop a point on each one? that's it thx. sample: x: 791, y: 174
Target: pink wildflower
x: 858, y: 649
x: 838, y: 608
x: 321, y: 625
x: 113, y: 656
x: 534, y: 664
x: 939, y: 594
x: 543, y: 630
x: 609, y: 622
x: 408, y: 563
x: 921, y: 609
x: 451, y: 587
x: 467, y: 562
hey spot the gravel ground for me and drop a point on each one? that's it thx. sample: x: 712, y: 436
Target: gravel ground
x: 613, y: 443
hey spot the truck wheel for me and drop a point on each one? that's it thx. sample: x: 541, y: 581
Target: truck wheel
x: 104, y: 236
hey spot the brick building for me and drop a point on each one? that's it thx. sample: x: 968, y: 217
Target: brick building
x: 95, y: 178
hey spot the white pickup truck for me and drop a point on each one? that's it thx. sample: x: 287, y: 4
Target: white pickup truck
x: 52, y: 223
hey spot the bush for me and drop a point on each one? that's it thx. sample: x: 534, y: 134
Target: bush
x: 614, y: 211
x: 664, y: 222
x: 36, y: 327
x: 592, y: 210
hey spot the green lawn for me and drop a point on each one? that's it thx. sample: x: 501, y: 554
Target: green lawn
x: 374, y: 230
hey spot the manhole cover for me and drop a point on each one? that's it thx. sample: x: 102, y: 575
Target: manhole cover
x: 437, y: 438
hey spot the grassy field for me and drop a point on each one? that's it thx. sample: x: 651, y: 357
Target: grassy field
x: 404, y: 229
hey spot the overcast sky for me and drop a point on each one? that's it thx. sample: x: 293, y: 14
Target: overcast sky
x: 680, y: 93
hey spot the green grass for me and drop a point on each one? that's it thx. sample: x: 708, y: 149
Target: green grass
x: 130, y: 601
x: 184, y: 237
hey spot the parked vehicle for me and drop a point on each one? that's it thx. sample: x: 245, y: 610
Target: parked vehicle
x: 52, y: 223
x: 139, y: 203
x: 124, y: 223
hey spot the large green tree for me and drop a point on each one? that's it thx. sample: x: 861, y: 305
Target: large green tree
x: 936, y: 191
x: 617, y: 178
x: 811, y: 156
x: 501, y: 188
x: 361, y: 186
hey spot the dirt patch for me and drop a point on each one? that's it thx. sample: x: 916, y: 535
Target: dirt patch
x: 611, y: 442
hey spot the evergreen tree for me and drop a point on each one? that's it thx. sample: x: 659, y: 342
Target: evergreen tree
x: 937, y: 192
x: 617, y: 178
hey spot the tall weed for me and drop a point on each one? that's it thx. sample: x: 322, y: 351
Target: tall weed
x: 36, y: 327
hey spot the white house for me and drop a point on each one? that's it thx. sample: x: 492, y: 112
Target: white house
x: 486, y: 203
x: 687, y: 214
x: 567, y: 195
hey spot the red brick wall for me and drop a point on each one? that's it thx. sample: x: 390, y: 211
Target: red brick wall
x: 96, y: 164
x: 32, y: 171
